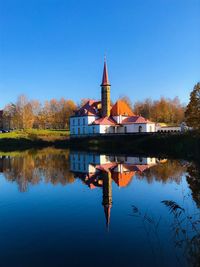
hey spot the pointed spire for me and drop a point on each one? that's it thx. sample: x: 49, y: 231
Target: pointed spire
x: 107, y: 209
x: 105, y: 80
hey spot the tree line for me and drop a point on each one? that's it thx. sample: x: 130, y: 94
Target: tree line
x: 164, y: 110
x: 26, y: 114
x: 54, y: 114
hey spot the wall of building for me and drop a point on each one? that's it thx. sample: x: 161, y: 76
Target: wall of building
x: 137, y: 127
x: 82, y: 162
x: 79, y: 125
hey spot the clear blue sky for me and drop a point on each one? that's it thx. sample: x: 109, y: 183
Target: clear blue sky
x: 55, y: 48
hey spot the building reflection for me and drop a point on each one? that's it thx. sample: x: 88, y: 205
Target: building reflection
x: 101, y: 170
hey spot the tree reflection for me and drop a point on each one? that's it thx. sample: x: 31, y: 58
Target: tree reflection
x: 170, y: 170
x: 193, y: 179
x: 31, y: 167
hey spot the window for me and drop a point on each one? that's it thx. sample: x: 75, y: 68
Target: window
x: 150, y: 128
x: 73, y: 121
x: 79, y: 131
x: 78, y: 122
x: 83, y: 130
x: 125, y: 129
x: 140, y: 129
x: 83, y: 121
x: 93, y: 128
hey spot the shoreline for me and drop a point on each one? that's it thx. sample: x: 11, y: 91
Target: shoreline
x: 185, y: 146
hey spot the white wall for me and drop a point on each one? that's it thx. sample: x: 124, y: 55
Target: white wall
x: 86, y: 162
x: 80, y: 125
x: 134, y: 128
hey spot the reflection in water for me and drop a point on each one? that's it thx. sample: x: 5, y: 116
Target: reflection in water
x: 30, y: 168
x: 160, y: 180
x: 193, y: 179
x: 100, y: 170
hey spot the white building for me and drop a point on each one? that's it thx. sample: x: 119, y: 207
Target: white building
x: 99, y: 117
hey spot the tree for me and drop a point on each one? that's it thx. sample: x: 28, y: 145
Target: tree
x: 192, y: 113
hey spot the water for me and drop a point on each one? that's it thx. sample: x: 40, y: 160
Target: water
x: 62, y: 208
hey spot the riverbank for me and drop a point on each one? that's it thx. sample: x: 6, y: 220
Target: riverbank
x: 176, y: 145
x: 33, y: 138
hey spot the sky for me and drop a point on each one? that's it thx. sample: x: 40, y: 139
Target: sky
x: 55, y: 48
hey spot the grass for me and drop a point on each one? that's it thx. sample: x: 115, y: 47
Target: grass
x: 31, y: 138
x: 35, y: 134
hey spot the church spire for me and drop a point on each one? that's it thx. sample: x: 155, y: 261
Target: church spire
x: 105, y: 92
x: 105, y: 80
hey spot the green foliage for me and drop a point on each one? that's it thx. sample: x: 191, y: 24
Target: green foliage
x: 34, y: 134
x: 192, y: 112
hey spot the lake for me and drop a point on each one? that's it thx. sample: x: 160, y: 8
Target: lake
x: 73, y: 208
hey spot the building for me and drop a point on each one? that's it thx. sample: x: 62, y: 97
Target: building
x: 100, y: 171
x: 100, y: 117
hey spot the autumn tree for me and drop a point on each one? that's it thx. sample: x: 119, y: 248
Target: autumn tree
x: 192, y: 113
x: 162, y: 110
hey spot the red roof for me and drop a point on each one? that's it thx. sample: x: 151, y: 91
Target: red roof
x: 105, y: 80
x: 122, y: 179
x: 105, y: 121
x: 107, y: 166
x: 134, y: 119
x: 121, y: 108
x: 89, y: 108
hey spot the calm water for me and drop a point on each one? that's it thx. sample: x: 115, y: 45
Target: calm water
x: 62, y: 208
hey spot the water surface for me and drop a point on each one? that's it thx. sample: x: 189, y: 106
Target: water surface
x: 71, y: 208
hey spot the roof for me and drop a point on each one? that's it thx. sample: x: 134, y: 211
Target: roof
x: 89, y: 108
x: 105, y: 121
x: 122, y: 179
x: 135, y: 119
x: 107, y: 166
x: 121, y: 108
x: 105, y: 80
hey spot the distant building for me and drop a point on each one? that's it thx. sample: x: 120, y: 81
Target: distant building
x: 99, y: 117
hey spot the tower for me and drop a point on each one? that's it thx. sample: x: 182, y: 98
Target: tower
x: 105, y: 93
x: 107, y: 196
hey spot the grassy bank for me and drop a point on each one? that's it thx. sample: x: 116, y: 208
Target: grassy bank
x: 20, y: 140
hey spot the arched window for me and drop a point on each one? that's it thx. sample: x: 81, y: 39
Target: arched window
x: 140, y: 129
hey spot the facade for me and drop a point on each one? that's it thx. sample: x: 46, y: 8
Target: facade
x: 99, y: 117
